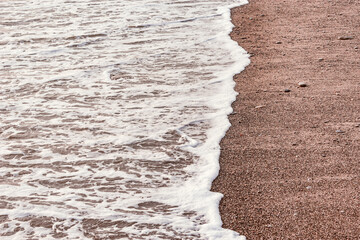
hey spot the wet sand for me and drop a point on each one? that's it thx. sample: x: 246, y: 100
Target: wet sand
x: 290, y: 163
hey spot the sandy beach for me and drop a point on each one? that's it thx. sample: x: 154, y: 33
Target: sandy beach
x: 290, y: 162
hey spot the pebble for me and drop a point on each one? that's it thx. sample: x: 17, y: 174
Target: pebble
x: 278, y: 42
x: 321, y: 59
x: 339, y: 131
x: 346, y: 38
x: 356, y: 47
x: 302, y: 84
x: 260, y: 106
x: 287, y: 90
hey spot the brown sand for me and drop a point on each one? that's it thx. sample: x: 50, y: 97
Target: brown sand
x: 290, y: 169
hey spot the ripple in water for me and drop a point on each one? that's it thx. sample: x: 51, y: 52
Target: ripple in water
x: 111, y: 114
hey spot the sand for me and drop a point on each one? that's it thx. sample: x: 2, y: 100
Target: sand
x: 290, y: 163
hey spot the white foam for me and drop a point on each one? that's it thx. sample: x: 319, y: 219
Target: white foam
x: 114, y: 110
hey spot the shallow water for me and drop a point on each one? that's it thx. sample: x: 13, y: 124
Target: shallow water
x: 110, y: 117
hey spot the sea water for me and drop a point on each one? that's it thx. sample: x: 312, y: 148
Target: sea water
x: 111, y: 114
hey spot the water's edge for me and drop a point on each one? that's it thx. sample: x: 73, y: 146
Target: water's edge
x: 242, y: 61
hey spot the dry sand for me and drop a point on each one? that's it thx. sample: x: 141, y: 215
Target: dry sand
x: 290, y: 163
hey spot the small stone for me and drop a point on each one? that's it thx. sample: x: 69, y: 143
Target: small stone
x: 321, y: 59
x: 339, y: 131
x: 326, y: 121
x: 287, y: 90
x: 260, y: 106
x: 357, y: 125
x: 278, y: 42
x: 233, y: 113
x: 302, y: 84
x: 308, y: 187
x: 346, y: 38
x: 356, y: 47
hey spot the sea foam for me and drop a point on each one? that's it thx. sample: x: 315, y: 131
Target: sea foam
x: 111, y: 117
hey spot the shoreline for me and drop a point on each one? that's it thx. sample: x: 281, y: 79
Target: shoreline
x: 289, y: 163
